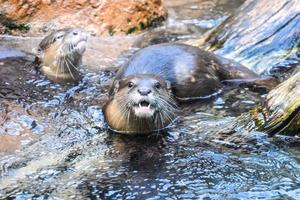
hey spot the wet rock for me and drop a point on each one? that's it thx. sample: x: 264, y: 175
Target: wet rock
x: 102, y: 17
x: 101, y: 53
x: 18, y: 127
x: 262, y: 35
x: 281, y: 112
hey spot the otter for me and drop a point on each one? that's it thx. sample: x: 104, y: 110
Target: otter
x: 188, y: 72
x: 140, y: 103
x: 59, y: 55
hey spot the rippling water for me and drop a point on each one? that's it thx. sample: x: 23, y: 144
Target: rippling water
x: 54, y: 143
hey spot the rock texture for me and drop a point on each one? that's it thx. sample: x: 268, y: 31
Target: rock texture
x: 263, y: 35
x: 102, y: 17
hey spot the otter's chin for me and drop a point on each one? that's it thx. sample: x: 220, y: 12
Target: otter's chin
x: 143, y: 109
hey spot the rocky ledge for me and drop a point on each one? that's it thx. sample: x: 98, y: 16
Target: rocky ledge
x: 102, y: 17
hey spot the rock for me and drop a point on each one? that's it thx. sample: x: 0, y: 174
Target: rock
x: 263, y: 35
x: 2, y: 29
x: 102, y: 17
x: 279, y: 113
x: 282, y: 109
x: 102, y: 53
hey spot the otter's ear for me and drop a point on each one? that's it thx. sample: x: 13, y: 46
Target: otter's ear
x: 115, y: 88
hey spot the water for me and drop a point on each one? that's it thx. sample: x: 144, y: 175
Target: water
x: 54, y: 143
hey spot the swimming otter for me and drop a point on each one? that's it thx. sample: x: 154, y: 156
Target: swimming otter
x: 140, y: 103
x: 190, y: 72
x: 60, y: 54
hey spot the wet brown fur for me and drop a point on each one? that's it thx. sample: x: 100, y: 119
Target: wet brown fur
x: 59, y: 60
x: 192, y: 73
x: 121, y: 118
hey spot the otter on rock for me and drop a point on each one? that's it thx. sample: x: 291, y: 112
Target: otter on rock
x: 184, y: 73
x: 60, y: 54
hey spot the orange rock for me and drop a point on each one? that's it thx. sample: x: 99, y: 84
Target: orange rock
x: 103, y: 17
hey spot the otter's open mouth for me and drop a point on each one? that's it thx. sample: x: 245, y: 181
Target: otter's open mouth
x: 144, y: 104
x: 143, y: 109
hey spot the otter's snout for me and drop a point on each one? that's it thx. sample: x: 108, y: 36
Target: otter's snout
x: 144, y: 91
x: 76, y: 32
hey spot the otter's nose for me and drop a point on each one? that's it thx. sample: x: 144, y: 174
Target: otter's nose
x: 76, y: 32
x: 144, y: 91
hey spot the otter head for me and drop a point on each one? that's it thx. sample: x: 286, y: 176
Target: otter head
x: 60, y: 54
x: 140, y: 104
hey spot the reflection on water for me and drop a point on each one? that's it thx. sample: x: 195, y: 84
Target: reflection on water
x: 11, y: 53
x: 54, y: 143
x: 196, y: 16
x: 193, y: 170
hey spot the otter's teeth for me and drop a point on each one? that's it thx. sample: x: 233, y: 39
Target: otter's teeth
x: 144, y: 107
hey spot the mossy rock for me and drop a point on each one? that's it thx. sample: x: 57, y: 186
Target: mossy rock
x: 281, y: 111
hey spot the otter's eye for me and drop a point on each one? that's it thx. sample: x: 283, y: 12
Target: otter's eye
x: 130, y: 84
x: 59, y: 36
x: 157, y: 85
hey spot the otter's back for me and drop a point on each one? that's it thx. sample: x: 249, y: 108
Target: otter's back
x: 188, y: 68
x: 164, y: 60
